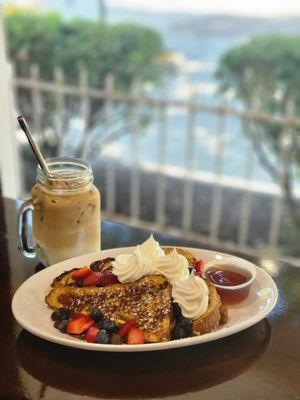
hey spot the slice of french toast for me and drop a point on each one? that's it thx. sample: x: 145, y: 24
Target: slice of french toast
x: 148, y: 301
x: 217, y: 313
x: 65, y: 279
x: 211, y: 319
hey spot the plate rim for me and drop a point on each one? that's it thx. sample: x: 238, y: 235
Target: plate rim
x: 190, y: 341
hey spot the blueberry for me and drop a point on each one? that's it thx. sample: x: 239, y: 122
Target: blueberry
x: 179, y: 332
x: 56, y: 324
x: 183, y: 328
x: 186, y: 322
x: 177, y: 311
x: 109, y: 325
x: 116, y: 339
x: 103, y: 337
x: 96, y: 315
x: 60, y: 314
x: 63, y: 325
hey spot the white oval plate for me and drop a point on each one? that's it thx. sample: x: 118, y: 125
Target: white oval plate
x: 32, y: 313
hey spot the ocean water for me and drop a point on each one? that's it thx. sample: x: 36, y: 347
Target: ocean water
x: 197, y: 59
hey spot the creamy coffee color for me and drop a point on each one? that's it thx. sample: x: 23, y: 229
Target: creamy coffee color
x: 65, y: 224
x: 65, y: 207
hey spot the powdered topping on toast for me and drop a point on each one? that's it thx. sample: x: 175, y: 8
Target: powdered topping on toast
x: 192, y: 295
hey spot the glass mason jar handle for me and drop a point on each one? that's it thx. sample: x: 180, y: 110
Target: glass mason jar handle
x: 25, y: 249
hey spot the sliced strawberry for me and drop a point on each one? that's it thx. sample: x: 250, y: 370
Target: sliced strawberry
x: 135, y: 336
x: 77, y: 315
x: 79, y: 324
x: 91, y: 334
x: 199, y: 267
x: 126, y: 327
x: 92, y: 279
x: 107, y: 278
x: 104, y: 278
x: 81, y: 273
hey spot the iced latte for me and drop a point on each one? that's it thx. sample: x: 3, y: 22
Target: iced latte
x: 65, y: 211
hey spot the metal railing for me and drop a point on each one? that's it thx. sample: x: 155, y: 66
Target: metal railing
x: 134, y: 99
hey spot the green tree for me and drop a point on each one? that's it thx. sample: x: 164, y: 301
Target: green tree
x: 126, y: 51
x: 263, y: 74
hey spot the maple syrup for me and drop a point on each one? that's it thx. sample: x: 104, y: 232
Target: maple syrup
x: 227, y: 278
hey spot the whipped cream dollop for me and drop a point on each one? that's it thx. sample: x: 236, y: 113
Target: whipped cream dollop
x: 131, y: 267
x: 188, y: 290
x: 173, y: 266
x: 192, y: 295
x: 151, y: 249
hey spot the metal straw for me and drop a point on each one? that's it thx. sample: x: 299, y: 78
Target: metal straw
x: 33, y: 145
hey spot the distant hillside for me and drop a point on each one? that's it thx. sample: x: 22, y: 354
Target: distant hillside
x: 208, y: 25
x: 205, y: 25
x: 219, y: 25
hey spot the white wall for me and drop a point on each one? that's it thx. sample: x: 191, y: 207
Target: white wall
x: 9, y: 163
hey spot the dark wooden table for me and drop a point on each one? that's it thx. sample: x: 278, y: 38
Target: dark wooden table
x: 262, y: 362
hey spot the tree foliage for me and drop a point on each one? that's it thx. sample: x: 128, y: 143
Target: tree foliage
x: 264, y: 75
x: 128, y: 51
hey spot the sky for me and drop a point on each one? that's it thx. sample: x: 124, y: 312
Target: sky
x: 246, y: 7
x: 239, y: 7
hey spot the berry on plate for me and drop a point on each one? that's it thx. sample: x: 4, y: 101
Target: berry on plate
x: 96, y: 315
x: 135, y: 336
x: 60, y: 314
x: 126, y: 327
x: 93, y: 279
x: 116, y: 339
x: 103, y: 337
x: 109, y: 325
x: 79, y: 324
x: 91, y: 334
x: 107, y: 278
x: 199, y: 268
x: 104, y: 278
x: 81, y: 273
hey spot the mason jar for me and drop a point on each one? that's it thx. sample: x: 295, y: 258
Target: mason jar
x: 65, y: 210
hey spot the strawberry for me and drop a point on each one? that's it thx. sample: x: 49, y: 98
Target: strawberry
x: 100, y: 279
x: 199, y: 267
x: 126, y: 327
x: 93, y: 279
x: 135, y: 336
x: 107, y: 278
x: 81, y: 273
x: 91, y: 334
x: 79, y: 324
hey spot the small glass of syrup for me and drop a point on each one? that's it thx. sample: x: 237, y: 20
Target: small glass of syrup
x: 232, y: 278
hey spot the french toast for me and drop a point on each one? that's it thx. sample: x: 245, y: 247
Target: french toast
x: 217, y: 313
x: 211, y: 319
x: 148, y: 301
x: 65, y: 279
